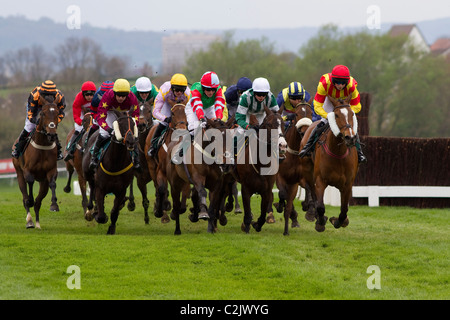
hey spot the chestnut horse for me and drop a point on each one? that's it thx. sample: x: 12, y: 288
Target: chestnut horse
x: 76, y: 162
x: 38, y: 162
x: 256, y: 176
x: 334, y: 162
x: 115, y: 171
x: 289, y: 174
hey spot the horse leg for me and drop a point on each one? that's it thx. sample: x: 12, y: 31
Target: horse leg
x: 196, y: 209
x: 309, y: 204
x: 101, y: 216
x: 342, y: 221
x: 131, y: 204
x: 288, y: 210
x: 70, y: 170
x: 89, y: 213
x: 266, y: 203
x: 54, y: 205
x: 234, y: 190
x: 119, y: 202
x: 23, y: 188
x: 247, y: 209
x: 176, y: 208
x: 84, y: 199
x: 43, y: 190
x: 321, y: 218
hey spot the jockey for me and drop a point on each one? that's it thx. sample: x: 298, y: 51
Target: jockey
x: 338, y: 84
x: 234, y: 92
x: 119, y: 98
x: 171, y: 93
x: 207, y: 101
x: 106, y: 85
x: 81, y: 105
x: 289, y: 97
x: 253, y: 101
x: 144, y: 90
x: 49, y: 92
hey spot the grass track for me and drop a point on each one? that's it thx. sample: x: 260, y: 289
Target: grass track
x: 410, y: 246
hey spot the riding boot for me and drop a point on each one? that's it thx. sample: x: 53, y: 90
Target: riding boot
x: 159, y: 129
x: 361, y: 157
x: 20, y: 144
x: 95, y: 156
x: 136, y: 160
x: 71, y: 146
x: 309, y: 146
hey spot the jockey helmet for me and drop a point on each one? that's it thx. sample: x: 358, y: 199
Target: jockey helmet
x: 179, y: 79
x: 143, y: 84
x: 340, y: 72
x: 244, y: 84
x: 210, y: 80
x: 107, y: 85
x: 121, y: 85
x: 88, y: 86
x: 296, y: 90
x: 261, y: 85
x: 48, y: 87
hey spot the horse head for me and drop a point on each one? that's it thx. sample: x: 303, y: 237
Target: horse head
x: 125, y: 130
x: 342, y: 120
x: 179, y: 120
x: 47, y: 121
x: 273, y: 120
x: 87, y: 121
x: 303, y: 116
x: 145, y: 117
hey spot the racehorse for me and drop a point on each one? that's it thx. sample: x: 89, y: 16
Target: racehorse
x: 157, y: 164
x: 203, y: 169
x: 335, y: 161
x: 76, y: 162
x: 256, y: 176
x: 115, y: 171
x: 142, y: 176
x: 289, y: 173
x: 38, y: 162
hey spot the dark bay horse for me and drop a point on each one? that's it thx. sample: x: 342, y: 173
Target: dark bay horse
x: 142, y: 176
x: 75, y: 164
x: 334, y: 162
x: 115, y: 171
x: 289, y: 174
x: 255, y: 175
x: 38, y: 162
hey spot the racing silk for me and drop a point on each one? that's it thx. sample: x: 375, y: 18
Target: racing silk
x: 162, y: 108
x: 33, y: 106
x: 153, y: 93
x: 109, y: 103
x: 283, y: 98
x: 249, y: 105
x: 200, y: 101
x: 79, y: 106
x: 326, y: 87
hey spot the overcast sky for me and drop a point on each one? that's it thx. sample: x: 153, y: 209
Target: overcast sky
x: 150, y: 15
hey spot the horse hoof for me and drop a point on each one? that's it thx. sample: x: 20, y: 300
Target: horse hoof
x: 310, y: 216
x: 165, y: 218
x: 245, y: 228
x: 147, y: 220
x: 54, y: 208
x: 203, y: 215
x: 88, y: 215
x: 256, y: 226
x: 345, y: 223
x: 131, y: 206
x: 228, y: 206
x: 67, y: 189
x: 238, y: 210
x: 193, y: 218
x: 111, y: 230
x: 30, y: 225
x: 270, y: 218
x: 295, y: 224
x: 101, y: 219
x: 223, y: 220
x: 320, y: 228
x: 278, y: 207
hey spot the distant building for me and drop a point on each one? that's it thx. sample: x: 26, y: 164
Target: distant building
x: 413, y: 33
x: 441, y: 47
x: 176, y: 49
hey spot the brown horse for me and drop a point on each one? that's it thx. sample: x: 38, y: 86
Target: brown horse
x: 289, y: 174
x: 202, y: 166
x: 334, y: 162
x: 115, y: 171
x: 76, y: 162
x: 142, y: 176
x: 157, y: 165
x: 38, y: 162
x: 254, y: 174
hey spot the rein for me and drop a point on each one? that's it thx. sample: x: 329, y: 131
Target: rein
x: 117, y: 173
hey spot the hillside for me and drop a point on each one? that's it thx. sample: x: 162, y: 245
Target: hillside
x: 145, y: 46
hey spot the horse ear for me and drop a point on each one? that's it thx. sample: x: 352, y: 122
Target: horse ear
x: 334, y: 101
x: 348, y: 99
x: 281, y: 109
x: 267, y: 110
x: 311, y: 100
